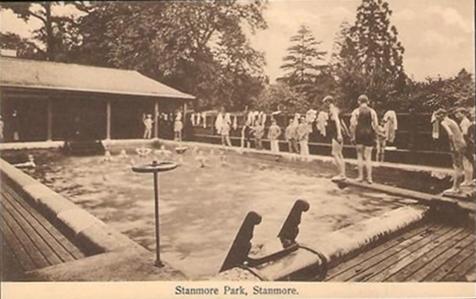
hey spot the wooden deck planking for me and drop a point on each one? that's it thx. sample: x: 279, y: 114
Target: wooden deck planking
x: 417, y: 264
x: 426, y: 253
x: 359, y: 271
x: 32, y: 240
x: 392, y: 261
x: 55, y: 233
x: 461, y: 270
x: 34, y: 252
x: 451, y: 263
x: 48, y: 239
x: 23, y: 258
x: 35, y: 238
x: 66, y: 250
x: 346, y: 266
x: 407, y: 258
x: 447, y: 261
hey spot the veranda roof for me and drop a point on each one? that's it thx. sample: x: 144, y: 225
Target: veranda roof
x: 24, y: 73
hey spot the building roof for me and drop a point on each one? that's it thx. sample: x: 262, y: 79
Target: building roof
x: 17, y: 72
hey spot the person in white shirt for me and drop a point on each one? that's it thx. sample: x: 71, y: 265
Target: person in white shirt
x: 148, y: 122
x: 273, y: 135
x: 303, y: 131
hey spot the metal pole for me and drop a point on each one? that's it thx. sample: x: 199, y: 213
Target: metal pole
x: 156, y: 119
x: 158, y: 263
x: 108, y: 119
x: 49, y: 119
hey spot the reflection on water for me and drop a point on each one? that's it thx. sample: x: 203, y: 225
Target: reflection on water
x: 202, y: 208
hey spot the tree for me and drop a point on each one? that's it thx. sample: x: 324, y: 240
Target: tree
x: 196, y: 47
x: 23, y: 47
x: 281, y: 97
x: 456, y: 91
x: 370, y: 58
x: 303, y: 63
x: 56, y: 34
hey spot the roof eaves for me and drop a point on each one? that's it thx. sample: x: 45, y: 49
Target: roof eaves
x: 164, y: 95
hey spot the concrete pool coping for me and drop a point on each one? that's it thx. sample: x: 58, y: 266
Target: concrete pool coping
x: 125, y: 142
x: 79, y: 222
x: 321, y: 158
x: 334, y: 247
x: 115, y: 256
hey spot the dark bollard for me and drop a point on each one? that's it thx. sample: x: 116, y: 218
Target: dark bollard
x: 241, y: 246
x: 156, y: 167
x: 290, y: 228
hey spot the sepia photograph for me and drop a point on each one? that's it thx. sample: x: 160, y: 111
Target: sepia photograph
x: 238, y: 147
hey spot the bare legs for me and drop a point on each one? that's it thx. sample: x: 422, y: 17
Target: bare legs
x: 364, y: 158
x: 338, y: 158
x: 303, y: 146
x: 380, y: 151
x: 457, y: 176
x: 225, y: 140
x: 468, y: 172
x: 178, y: 136
x: 147, y: 133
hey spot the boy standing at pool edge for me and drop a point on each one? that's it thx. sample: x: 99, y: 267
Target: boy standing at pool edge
x: 303, y: 131
x: 381, y: 141
x: 363, y: 125
x: 334, y: 131
x: 291, y: 136
x: 457, y: 147
x: 273, y: 134
x: 258, y: 130
x: 178, y: 127
x: 225, y: 133
x: 148, y: 122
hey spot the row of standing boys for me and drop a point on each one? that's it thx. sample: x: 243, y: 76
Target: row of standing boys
x: 364, y: 131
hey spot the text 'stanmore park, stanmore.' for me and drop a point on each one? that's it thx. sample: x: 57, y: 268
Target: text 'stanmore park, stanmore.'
x: 172, y: 140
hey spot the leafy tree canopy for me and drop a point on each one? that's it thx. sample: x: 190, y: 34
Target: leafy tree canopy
x: 196, y: 47
x: 303, y: 63
x: 55, y: 37
x: 370, y: 57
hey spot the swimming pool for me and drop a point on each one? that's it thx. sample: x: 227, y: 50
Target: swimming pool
x: 202, y: 208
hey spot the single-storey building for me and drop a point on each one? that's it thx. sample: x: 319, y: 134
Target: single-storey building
x: 42, y: 100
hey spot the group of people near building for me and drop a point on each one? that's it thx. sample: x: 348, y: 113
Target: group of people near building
x: 149, y: 125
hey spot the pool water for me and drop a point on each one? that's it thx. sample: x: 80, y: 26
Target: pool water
x: 201, y: 209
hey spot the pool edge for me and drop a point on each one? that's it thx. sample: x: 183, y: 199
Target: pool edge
x: 99, y: 240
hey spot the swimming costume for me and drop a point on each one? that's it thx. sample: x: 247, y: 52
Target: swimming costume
x: 247, y: 133
x: 331, y: 129
x: 364, y: 132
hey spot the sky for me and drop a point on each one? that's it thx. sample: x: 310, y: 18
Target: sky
x: 438, y: 35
